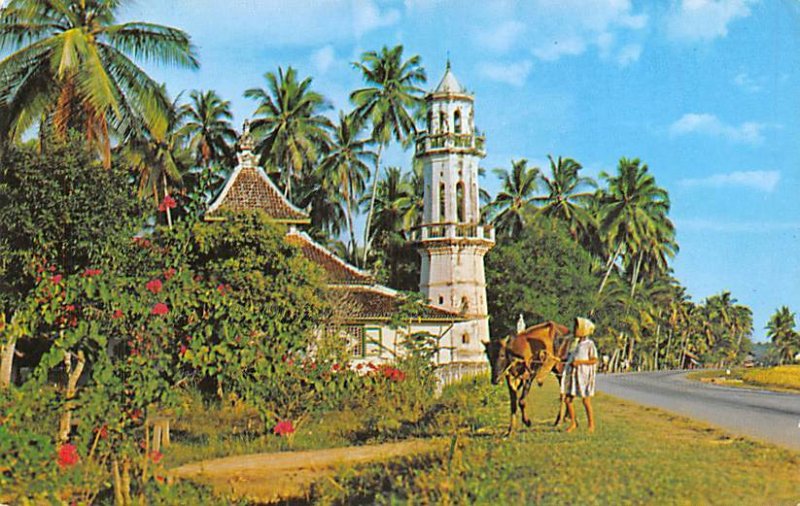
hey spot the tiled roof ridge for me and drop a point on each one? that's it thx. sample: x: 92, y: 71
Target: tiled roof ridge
x: 351, y: 268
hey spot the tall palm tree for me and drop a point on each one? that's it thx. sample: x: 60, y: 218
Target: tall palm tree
x: 326, y: 204
x: 71, y: 63
x: 289, y: 124
x: 389, y: 102
x: 344, y: 169
x: 208, y: 127
x: 568, y: 194
x: 782, y: 333
x: 509, y: 208
x: 634, y: 209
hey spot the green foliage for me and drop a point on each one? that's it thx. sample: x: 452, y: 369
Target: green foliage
x: 58, y: 207
x: 542, y: 273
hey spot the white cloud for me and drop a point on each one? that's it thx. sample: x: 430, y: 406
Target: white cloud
x: 694, y: 20
x: 501, y: 37
x: 629, y: 54
x: 323, y: 58
x: 761, y: 180
x: 748, y: 83
x: 569, y: 27
x: 367, y: 17
x: 706, y: 225
x: 748, y: 132
x: 514, y: 73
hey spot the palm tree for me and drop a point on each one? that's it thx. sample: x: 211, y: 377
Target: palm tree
x: 782, y: 333
x: 389, y: 102
x: 326, y: 204
x: 567, y: 196
x: 71, y: 63
x: 395, y: 214
x: 159, y: 157
x: 634, y: 209
x: 508, y: 209
x: 208, y: 127
x: 292, y: 131
x: 344, y: 169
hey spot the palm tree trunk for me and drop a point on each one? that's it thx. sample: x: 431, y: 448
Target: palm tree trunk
x: 635, y: 274
x: 352, y: 228
x: 611, y: 261
x: 375, y: 178
x: 669, y: 345
x: 655, y: 353
x: 166, y: 192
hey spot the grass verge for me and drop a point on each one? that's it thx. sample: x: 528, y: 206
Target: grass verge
x: 785, y: 378
x: 637, y: 456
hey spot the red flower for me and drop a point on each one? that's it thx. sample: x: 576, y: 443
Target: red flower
x: 372, y: 366
x: 183, y: 349
x: 156, y: 457
x: 117, y: 314
x: 154, y: 286
x: 88, y: 273
x: 169, y: 273
x: 69, y: 308
x: 167, y: 203
x: 160, y: 309
x: 336, y: 368
x: 67, y: 456
x: 283, y: 428
x: 135, y: 414
x: 56, y: 279
x: 102, y: 432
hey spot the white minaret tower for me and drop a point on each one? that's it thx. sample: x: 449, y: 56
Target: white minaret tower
x: 451, y: 240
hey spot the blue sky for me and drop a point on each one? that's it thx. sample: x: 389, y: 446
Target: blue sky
x: 706, y: 92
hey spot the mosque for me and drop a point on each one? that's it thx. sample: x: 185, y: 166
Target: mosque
x: 451, y: 241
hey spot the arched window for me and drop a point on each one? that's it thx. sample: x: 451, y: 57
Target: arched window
x: 430, y: 122
x: 441, y: 203
x: 465, y: 338
x: 457, y: 121
x: 461, y: 210
x: 442, y: 122
x: 465, y: 304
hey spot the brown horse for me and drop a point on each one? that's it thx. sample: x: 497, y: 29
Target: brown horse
x: 527, y: 357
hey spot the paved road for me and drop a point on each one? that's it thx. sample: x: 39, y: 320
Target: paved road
x: 770, y: 416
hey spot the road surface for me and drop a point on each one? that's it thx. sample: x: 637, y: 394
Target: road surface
x: 769, y: 416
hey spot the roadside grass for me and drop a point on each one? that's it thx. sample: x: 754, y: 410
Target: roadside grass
x: 638, y: 455
x: 785, y: 378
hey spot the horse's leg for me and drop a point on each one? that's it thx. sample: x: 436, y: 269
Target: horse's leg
x: 522, y: 403
x: 562, y: 410
x: 512, y: 396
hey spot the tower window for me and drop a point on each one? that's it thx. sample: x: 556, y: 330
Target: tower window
x: 465, y: 338
x: 430, y: 121
x: 457, y: 121
x: 442, y: 122
x: 441, y: 300
x: 461, y: 209
x: 441, y: 203
x: 465, y: 304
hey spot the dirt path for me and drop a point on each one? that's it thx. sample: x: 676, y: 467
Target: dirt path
x: 268, y: 477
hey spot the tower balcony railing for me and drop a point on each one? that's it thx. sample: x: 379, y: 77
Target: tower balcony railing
x: 434, y: 231
x: 434, y: 142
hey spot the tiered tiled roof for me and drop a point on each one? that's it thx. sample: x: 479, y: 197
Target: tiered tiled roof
x: 249, y: 188
x: 380, y: 303
x: 339, y: 272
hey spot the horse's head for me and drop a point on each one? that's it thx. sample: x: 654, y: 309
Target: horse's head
x: 498, y: 359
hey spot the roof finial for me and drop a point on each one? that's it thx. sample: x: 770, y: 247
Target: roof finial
x: 448, y: 60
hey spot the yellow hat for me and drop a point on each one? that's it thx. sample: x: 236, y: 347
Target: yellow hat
x: 583, y: 327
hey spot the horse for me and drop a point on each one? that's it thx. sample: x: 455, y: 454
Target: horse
x: 528, y: 356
